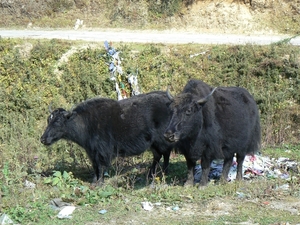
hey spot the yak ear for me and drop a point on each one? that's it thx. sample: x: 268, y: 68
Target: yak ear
x: 202, y: 101
x: 68, y: 114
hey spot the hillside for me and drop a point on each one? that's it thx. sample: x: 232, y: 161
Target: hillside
x: 207, y: 16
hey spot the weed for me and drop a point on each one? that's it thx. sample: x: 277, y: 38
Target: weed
x: 5, y: 180
x: 61, y: 180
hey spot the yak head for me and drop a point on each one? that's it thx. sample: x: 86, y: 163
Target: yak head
x: 57, y: 126
x: 187, y: 117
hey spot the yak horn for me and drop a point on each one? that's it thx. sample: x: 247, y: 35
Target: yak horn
x: 73, y: 107
x: 50, y: 107
x: 205, y: 99
x: 67, y: 114
x: 170, y: 97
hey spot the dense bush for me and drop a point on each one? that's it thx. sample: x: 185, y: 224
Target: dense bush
x: 33, y: 75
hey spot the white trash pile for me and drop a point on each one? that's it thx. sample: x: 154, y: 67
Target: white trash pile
x: 254, y: 165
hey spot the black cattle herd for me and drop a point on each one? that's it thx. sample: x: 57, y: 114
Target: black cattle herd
x: 202, y: 123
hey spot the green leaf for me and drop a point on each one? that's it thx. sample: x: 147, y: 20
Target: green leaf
x: 55, y: 181
x: 105, y: 194
x: 66, y: 176
x: 48, y: 180
x: 57, y: 174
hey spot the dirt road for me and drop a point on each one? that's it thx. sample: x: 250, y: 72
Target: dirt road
x: 148, y: 36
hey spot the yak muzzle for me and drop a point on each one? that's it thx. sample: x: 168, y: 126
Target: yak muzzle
x: 171, y: 136
x: 44, y: 141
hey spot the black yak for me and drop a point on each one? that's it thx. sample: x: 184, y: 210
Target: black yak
x: 107, y: 128
x: 210, y: 124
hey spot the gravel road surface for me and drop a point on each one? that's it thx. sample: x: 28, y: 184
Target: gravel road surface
x: 149, y: 36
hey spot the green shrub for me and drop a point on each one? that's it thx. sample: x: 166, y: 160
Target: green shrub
x: 85, y: 76
x: 165, y: 7
x: 60, y: 5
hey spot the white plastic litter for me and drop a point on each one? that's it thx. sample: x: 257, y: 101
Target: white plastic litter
x: 66, y: 212
x: 133, y: 80
x: 78, y: 23
x: 196, y: 54
x: 103, y: 211
x: 283, y: 187
x: 254, y: 165
x: 29, y: 184
x: 119, y: 93
x: 176, y: 208
x: 147, y: 206
x: 4, y: 219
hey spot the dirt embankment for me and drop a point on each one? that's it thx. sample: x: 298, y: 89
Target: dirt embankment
x: 207, y: 16
x: 238, y: 16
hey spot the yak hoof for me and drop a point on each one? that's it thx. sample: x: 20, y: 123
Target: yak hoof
x: 188, y: 183
x: 202, y: 184
x: 224, y: 180
x: 97, y: 183
x: 202, y: 187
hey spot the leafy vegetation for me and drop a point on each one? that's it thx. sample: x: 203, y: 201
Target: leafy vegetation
x: 33, y: 75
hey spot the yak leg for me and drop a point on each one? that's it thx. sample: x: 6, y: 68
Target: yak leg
x: 205, y: 165
x: 191, y: 169
x: 98, y: 179
x: 156, y: 159
x: 96, y: 171
x: 226, y: 167
x: 166, y: 161
x: 240, y: 160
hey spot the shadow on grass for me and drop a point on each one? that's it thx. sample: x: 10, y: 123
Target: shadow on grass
x: 125, y: 173
x: 137, y: 176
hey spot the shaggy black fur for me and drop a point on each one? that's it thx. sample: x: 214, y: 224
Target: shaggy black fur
x: 208, y: 125
x: 107, y: 128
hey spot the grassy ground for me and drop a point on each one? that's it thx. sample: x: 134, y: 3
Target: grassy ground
x: 257, y: 201
x: 34, y: 73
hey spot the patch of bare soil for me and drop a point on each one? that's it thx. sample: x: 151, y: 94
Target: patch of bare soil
x: 194, y: 213
x: 234, y: 16
x: 290, y: 206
